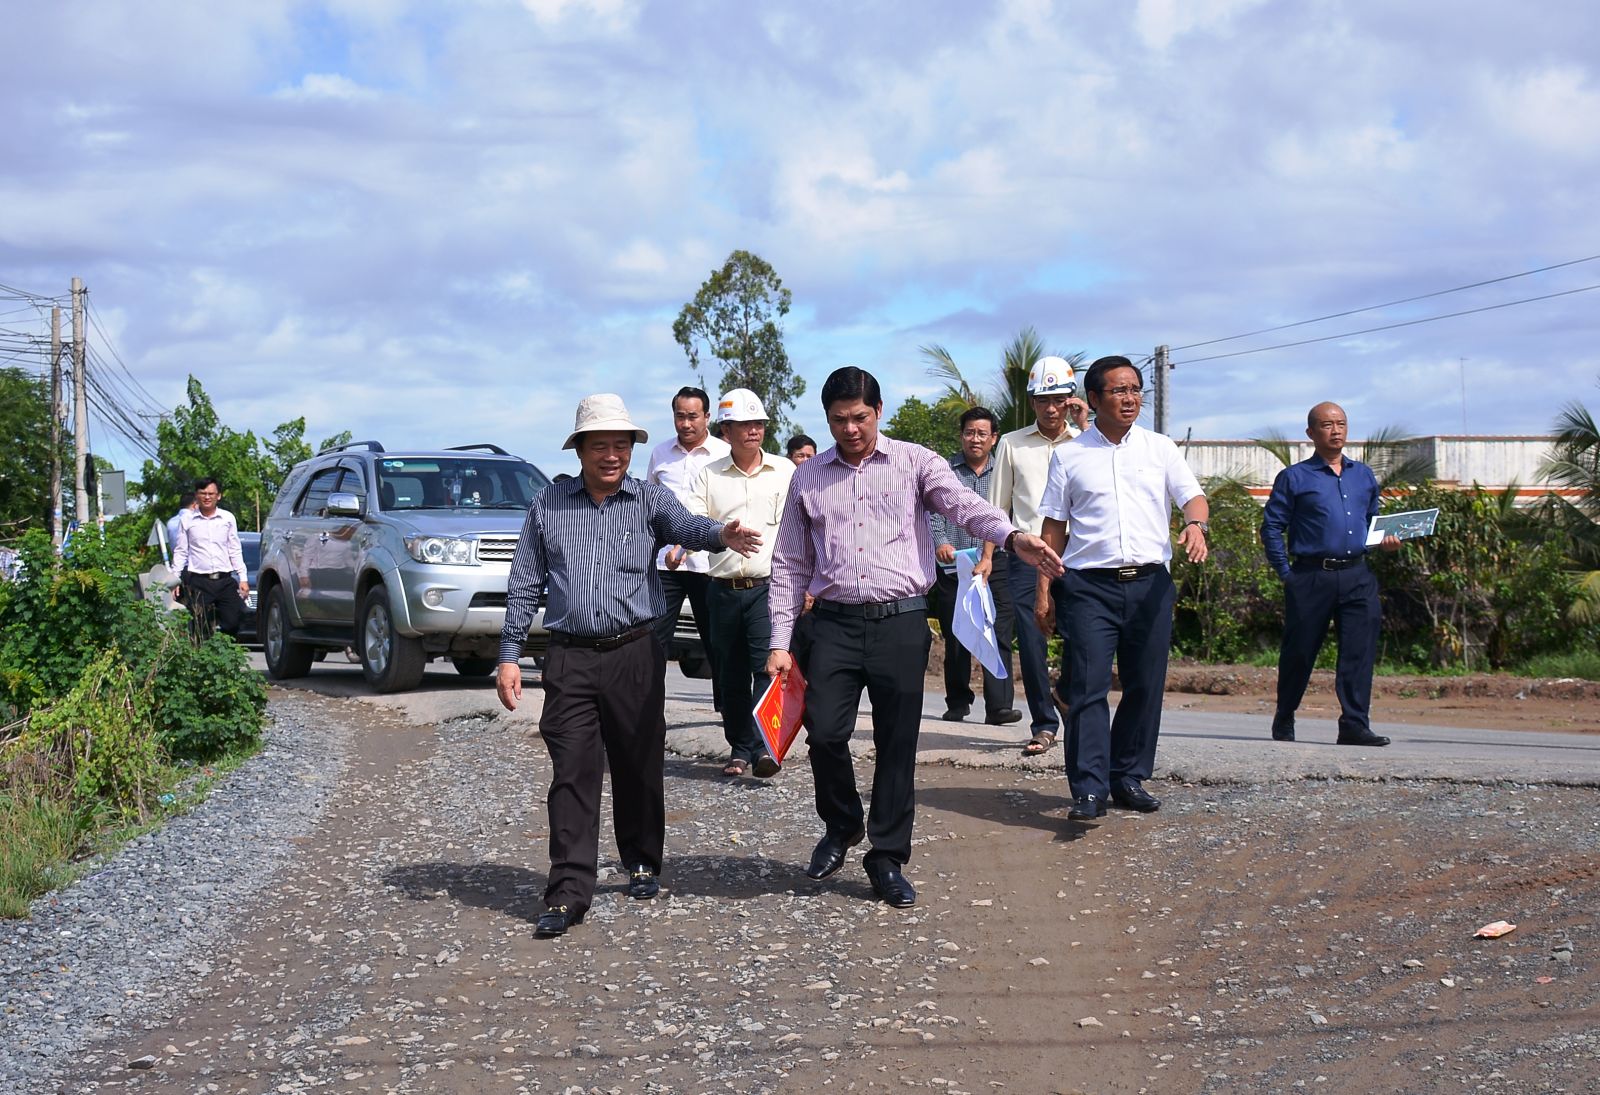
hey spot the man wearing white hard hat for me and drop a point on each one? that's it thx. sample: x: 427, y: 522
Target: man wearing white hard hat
x: 1021, y: 467
x: 749, y: 486
x: 592, y: 540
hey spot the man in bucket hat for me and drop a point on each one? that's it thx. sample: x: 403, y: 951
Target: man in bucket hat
x: 593, y: 539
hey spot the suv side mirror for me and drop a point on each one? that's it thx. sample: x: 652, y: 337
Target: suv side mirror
x: 341, y: 504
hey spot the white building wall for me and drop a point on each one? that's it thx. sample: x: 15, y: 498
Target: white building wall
x: 1493, y: 462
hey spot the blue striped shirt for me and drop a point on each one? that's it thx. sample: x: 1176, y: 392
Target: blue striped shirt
x: 599, y: 560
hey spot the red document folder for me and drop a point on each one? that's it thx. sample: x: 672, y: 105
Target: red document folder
x: 779, y: 712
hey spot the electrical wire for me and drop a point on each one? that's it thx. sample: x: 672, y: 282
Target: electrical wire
x: 1390, y: 304
x: 1388, y: 326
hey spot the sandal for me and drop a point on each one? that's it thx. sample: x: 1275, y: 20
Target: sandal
x: 734, y: 767
x: 1040, y: 744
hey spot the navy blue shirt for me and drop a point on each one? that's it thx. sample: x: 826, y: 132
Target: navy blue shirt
x: 599, y: 560
x: 1325, y: 515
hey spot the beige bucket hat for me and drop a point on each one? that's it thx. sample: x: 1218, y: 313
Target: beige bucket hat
x: 603, y: 412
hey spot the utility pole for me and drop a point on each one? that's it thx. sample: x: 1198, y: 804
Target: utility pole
x: 55, y: 426
x: 80, y: 416
x: 1160, y: 379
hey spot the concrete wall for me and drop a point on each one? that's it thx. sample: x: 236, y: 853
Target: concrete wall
x: 1494, y: 462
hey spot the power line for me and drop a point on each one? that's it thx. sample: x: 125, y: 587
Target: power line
x: 1390, y: 304
x: 1388, y: 326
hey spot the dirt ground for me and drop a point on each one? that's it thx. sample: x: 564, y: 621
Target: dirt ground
x: 1258, y: 938
x: 1486, y: 700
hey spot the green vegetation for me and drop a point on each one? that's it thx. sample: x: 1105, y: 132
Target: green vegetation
x: 106, y: 706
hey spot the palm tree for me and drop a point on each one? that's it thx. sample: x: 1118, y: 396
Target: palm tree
x: 1008, y: 398
x: 1389, y: 451
x: 1574, y: 464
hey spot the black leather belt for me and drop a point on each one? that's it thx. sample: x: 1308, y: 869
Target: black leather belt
x: 1326, y: 562
x: 876, y: 611
x: 741, y: 583
x: 203, y: 574
x: 604, y: 642
x: 1125, y: 574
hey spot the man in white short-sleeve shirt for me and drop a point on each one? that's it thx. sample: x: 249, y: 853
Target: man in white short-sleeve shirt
x: 1115, y: 487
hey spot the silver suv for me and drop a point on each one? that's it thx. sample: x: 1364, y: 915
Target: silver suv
x: 403, y: 555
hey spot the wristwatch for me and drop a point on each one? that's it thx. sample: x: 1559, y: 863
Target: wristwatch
x: 1205, y: 526
x: 1009, y: 539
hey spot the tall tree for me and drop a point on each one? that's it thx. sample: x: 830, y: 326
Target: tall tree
x: 1007, y: 394
x: 735, y: 318
x: 195, y: 442
x: 25, y: 453
x: 923, y: 424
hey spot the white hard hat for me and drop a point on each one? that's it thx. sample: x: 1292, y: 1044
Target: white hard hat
x: 1052, y: 376
x: 740, y: 405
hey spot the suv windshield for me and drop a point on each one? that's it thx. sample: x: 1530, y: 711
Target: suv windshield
x: 444, y: 482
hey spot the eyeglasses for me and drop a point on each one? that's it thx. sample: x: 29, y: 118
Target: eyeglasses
x: 976, y: 435
x: 1118, y: 393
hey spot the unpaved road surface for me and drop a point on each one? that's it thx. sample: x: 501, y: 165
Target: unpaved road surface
x: 1261, y: 933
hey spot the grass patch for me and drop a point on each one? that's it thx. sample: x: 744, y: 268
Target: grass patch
x: 1583, y: 664
x: 45, y: 844
x: 38, y: 839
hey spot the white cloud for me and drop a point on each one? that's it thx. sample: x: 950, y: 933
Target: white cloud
x: 1556, y: 109
x: 325, y: 85
x: 1160, y: 22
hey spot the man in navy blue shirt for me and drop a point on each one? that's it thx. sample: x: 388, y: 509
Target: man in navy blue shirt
x: 1325, y: 504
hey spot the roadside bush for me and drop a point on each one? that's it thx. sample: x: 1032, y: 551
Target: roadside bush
x: 1230, y: 607
x: 207, y: 699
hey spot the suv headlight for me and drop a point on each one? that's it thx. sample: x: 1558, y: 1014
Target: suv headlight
x: 442, y: 549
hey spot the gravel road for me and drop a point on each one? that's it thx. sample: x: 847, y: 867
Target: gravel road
x: 375, y: 873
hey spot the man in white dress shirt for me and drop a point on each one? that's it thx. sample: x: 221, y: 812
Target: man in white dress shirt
x: 749, y: 485
x: 210, y: 562
x: 677, y: 465
x: 1115, y: 486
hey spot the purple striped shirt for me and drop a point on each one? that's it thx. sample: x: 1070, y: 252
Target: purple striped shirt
x: 859, y: 535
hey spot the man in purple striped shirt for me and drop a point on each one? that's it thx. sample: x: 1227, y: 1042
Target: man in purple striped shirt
x: 854, y: 535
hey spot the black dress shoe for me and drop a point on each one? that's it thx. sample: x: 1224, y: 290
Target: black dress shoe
x: 956, y: 712
x: 1004, y: 718
x: 830, y: 853
x: 556, y: 921
x: 1131, y: 795
x: 1086, y: 808
x: 1283, y: 728
x: 889, y: 884
x: 643, y: 883
x: 1366, y: 737
x: 766, y: 767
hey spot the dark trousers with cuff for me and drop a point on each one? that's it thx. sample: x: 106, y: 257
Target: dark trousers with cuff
x: 1033, y: 652
x: 741, y: 632
x: 1311, y: 598
x: 998, y: 692
x: 213, y: 601
x: 1132, y: 621
x: 888, y: 658
x: 603, y: 707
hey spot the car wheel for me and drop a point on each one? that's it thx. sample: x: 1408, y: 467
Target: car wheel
x: 286, y: 658
x: 475, y: 667
x: 391, y: 661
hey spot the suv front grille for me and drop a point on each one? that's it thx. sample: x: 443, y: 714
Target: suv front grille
x: 496, y: 549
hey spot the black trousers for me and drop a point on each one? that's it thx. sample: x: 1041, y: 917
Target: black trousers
x: 603, y: 707
x: 888, y: 658
x: 1133, y: 622
x: 213, y: 601
x: 1033, y: 651
x: 998, y: 692
x: 677, y: 585
x: 1349, y: 597
x: 741, y: 631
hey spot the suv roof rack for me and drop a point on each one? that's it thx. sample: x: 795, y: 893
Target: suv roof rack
x: 370, y: 446
x: 486, y: 447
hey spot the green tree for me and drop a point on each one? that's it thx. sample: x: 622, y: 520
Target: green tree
x: 736, y: 319
x: 25, y: 452
x: 195, y: 442
x: 925, y: 424
x: 1007, y: 394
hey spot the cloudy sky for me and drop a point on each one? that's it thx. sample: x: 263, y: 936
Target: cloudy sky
x: 435, y: 224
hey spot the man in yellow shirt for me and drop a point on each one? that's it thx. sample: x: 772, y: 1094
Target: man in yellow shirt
x: 1021, y: 467
x: 749, y: 485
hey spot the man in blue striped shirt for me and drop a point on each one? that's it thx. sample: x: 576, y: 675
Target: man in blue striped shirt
x: 593, y: 540
x: 1325, y: 504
